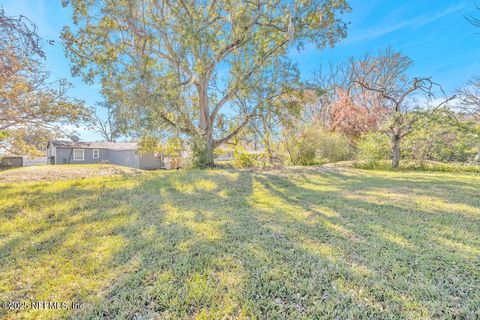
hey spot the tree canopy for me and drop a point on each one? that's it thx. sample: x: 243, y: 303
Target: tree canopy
x: 188, y: 64
x: 33, y: 108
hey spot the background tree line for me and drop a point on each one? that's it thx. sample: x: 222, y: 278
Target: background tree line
x: 213, y: 76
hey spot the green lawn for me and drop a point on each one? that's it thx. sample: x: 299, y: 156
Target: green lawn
x: 325, y: 243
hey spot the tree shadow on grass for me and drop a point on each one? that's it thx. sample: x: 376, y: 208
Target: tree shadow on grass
x: 238, y: 244
x: 397, y: 240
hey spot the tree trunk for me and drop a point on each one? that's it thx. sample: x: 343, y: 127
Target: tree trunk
x: 209, y: 148
x: 268, y: 148
x: 395, y: 151
x: 203, y: 104
x: 269, y: 153
x: 205, y: 147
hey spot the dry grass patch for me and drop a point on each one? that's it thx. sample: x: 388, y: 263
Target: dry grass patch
x: 63, y: 172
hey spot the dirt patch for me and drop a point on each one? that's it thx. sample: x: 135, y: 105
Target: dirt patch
x: 64, y: 172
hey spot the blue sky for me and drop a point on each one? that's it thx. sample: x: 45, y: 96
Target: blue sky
x: 434, y: 33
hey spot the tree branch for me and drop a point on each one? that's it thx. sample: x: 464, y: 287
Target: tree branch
x: 232, y: 134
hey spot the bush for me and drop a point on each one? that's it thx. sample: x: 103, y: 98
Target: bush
x: 314, y: 145
x: 439, y: 137
x: 201, y: 158
x: 332, y: 147
x: 244, y: 159
x: 373, y: 147
x: 300, y: 146
x: 440, y: 143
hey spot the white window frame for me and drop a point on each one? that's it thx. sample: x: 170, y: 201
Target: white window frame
x: 96, y: 153
x: 78, y: 159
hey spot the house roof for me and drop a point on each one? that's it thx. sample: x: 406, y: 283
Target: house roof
x: 94, y: 145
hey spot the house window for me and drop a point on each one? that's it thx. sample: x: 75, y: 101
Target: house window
x: 78, y: 155
x: 96, y: 153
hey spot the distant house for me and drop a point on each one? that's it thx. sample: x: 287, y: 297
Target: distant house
x: 119, y: 153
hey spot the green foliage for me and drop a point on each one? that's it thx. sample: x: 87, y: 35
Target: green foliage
x: 202, y: 158
x: 314, y: 145
x: 244, y: 159
x: 442, y: 167
x: 373, y: 147
x: 220, y: 152
x: 332, y: 147
x: 301, y: 146
x: 436, y: 137
x: 149, y: 144
x: 171, y: 148
x: 442, y: 138
x: 165, y: 63
x: 25, y: 141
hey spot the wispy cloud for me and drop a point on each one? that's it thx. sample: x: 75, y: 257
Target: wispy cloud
x: 378, y: 31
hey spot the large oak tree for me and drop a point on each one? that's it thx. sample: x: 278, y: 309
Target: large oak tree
x: 186, y: 63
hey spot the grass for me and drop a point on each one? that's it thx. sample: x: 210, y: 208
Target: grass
x: 410, y: 165
x: 328, y: 243
x: 67, y: 172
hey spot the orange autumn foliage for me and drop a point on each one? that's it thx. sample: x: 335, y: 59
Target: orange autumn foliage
x: 356, y: 115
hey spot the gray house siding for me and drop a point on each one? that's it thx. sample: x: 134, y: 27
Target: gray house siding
x: 128, y: 158
x: 51, y: 154
x: 149, y: 162
x: 65, y: 156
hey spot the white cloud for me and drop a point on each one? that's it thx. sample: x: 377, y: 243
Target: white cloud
x: 372, y: 33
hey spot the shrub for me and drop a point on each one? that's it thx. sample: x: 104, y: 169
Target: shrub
x: 373, y: 147
x: 173, y: 147
x: 201, y: 158
x: 440, y: 144
x: 300, y: 145
x: 332, y: 147
x: 439, y: 137
x: 314, y: 145
x: 243, y: 158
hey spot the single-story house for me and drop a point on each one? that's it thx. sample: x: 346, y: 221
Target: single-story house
x: 119, y: 153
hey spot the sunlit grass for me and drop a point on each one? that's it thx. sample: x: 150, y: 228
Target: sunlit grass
x: 410, y: 165
x: 336, y: 243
